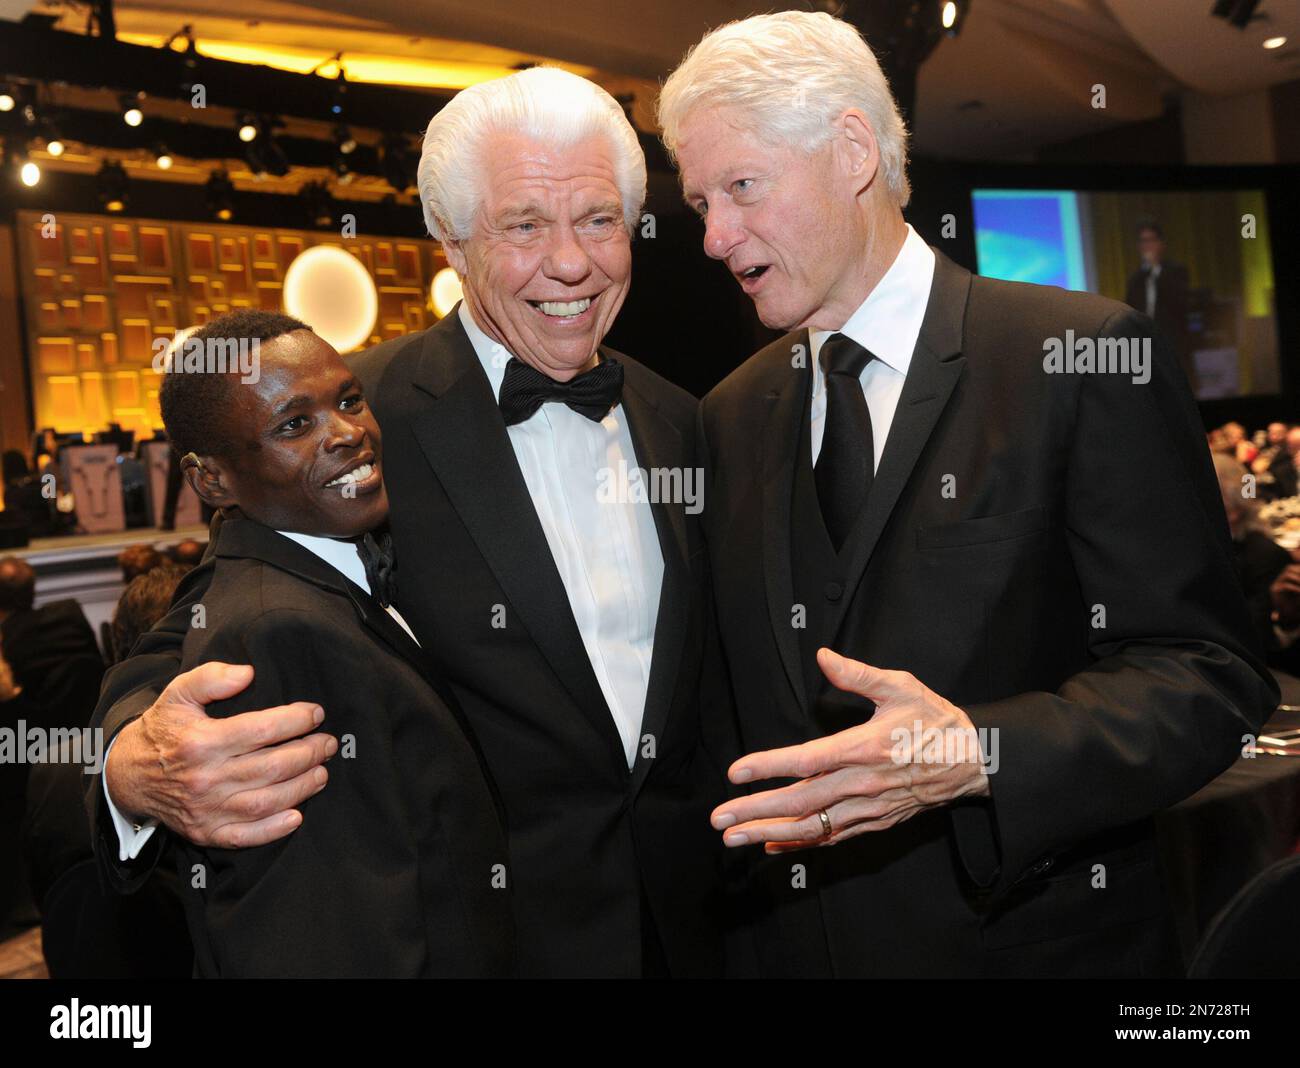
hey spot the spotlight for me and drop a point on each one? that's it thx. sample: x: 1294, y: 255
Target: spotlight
x: 248, y: 127
x: 53, y: 142
x: 111, y: 186
x: 398, y: 162
x: 264, y: 154
x: 318, y: 203
x: 220, y: 195
x: 131, y: 113
x: 952, y: 13
x: 7, y: 101
x: 1239, y: 13
x: 344, y: 140
x: 1274, y: 42
x: 28, y: 172
x: 163, y: 157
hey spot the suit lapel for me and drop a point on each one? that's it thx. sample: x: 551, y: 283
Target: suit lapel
x: 780, y: 453
x: 464, y: 441
x: 658, y: 444
x: 936, y: 366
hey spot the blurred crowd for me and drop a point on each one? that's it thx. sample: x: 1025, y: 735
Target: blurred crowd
x: 1259, y: 481
x: 51, y: 667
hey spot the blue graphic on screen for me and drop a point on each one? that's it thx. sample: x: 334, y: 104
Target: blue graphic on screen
x: 1029, y: 235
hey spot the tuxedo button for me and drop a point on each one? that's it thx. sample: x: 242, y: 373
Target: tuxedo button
x: 1042, y: 867
x: 834, y: 591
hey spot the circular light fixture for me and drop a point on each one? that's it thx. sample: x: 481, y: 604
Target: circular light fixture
x: 247, y: 128
x: 445, y: 291
x: 30, y: 173
x: 54, y: 147
x: 164, y: 160
x: 328, y: 288
x: 7, y: 101
x: 949, y: 16
x: 1274, y: 42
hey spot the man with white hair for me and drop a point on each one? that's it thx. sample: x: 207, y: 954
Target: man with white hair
x: 563, y: 602
x: 1043, y: 641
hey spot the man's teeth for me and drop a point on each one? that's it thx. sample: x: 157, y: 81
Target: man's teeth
x: 565, y: 308
x: 754, y: 272
x: 359, y: 474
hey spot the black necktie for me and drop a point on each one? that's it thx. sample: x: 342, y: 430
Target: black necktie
x: 381, y: 567
x: 846, y: 463
x: 592, y: 393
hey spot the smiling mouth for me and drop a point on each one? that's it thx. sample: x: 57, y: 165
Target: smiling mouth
x: 751, y: 273
x: 361, y: 474
x: 563, y: 310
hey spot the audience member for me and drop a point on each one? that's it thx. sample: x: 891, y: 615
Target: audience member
x: 51, y: 649
x: 135, y: 560
x: 142, y: 604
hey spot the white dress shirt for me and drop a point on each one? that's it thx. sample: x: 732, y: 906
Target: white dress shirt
x: 887, y: 324
x: 606, y: 550
x: 340, y: 555
x: 1153, y: 276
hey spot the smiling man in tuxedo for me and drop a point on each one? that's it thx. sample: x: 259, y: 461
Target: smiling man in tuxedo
x: 1033, y: 560
x: 569, y: 621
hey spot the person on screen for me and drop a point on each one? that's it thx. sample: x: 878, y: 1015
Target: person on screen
x: 1158, y: 289
x: 398, y: 869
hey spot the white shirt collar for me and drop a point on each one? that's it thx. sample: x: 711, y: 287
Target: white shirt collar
x: 889, y: 321
x: 340, y: 555
x: 491, y: 354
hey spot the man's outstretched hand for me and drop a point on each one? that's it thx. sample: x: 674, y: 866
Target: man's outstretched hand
x: 856, y: 777
x: 228, y: 783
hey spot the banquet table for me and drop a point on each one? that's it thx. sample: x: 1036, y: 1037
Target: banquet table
x: 1215, y: 841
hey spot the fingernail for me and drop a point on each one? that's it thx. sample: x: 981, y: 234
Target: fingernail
x: 742, y: 775
x: 318, y: 715
x: 320, y: 776
x: 723, y: 821
x: 331, y: 747
x: 234, y: 672
x: 737, y: 840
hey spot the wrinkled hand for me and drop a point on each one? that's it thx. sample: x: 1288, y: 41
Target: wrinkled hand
x: 229, y: 783
x: 862, y: 778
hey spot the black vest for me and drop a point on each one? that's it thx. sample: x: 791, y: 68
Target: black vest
x: 819, y: 586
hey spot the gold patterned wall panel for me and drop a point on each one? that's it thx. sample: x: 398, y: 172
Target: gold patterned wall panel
x: 98, y: 291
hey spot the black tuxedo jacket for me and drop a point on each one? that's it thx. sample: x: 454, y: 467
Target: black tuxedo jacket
x: 1047, y: 551
x: 593, y: 845
x: 400, y: 868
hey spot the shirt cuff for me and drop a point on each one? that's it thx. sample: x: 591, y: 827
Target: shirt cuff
x: 131, y: 837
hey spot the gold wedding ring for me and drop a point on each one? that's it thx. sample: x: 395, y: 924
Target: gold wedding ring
x: 826, y: 823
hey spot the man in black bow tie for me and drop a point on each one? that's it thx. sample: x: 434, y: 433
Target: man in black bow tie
x: 570, y: 621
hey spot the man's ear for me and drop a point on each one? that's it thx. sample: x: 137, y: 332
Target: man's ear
x: 209, y: 479
x: 859, y: 151
x: 453, y: 248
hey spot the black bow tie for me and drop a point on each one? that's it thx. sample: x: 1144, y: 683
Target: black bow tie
x: 378, y: 560
x: 592, y: 393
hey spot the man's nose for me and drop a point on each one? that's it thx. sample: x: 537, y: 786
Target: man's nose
x: 722, y: 233
x: 566, y: 259
x: 344, y: 432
